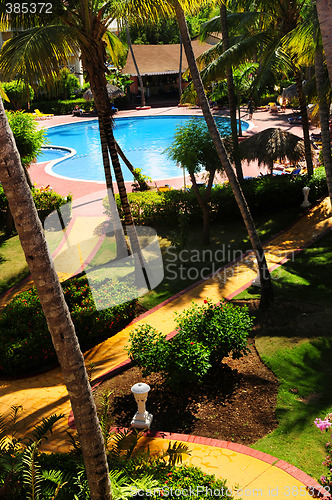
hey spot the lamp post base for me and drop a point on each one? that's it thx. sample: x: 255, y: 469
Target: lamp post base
x: 142, y: 421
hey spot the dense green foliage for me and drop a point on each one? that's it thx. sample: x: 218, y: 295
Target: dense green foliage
x: 46, y: 200
x: 25, y: 472
x: 65, y: 86
x: 25, y: 343
x: 205, y: 335
x: 193, y: 148
x: 18, y: 93
x: 29, y: 140
x: 264, y: 194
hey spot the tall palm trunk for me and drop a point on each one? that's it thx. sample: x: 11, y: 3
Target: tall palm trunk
x: 135, y: 64
x: 231, y: 93
x: 305, y: 122
x: 323, y: 116
x: 121, y: 245
x: 56, y: 311
x: 266, y: 284
x: 93, y: 64
x: 324, y: 9
x: 180, y: 68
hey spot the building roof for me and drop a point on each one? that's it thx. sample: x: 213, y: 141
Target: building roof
x: 160, y: 59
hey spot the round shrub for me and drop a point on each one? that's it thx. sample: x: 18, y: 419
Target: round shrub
x: 29, y: 140
x: 25, y: 343
x: 205, y: 335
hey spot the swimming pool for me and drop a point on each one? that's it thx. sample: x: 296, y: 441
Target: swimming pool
x: 143, y: 139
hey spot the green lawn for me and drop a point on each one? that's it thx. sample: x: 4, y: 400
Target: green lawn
x: 13, y: 266
x: 299, y: 352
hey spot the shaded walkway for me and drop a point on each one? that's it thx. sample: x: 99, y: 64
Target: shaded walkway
x: 256, y: 473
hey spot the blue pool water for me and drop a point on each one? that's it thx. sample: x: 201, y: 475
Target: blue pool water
x: 143, y: 139
x: 50, y: 154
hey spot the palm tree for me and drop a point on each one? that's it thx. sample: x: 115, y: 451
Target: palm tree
x: 324, y: 10
x: 305, y: 42
x: 266, y: 288
x: 56, y: 311
x: 79, y: 27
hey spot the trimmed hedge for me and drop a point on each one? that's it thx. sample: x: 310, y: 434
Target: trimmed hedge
x: 62, y: 107
x: 25, y: 343
x: 264, y: 194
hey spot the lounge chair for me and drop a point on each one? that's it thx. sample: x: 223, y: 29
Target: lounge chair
x: 43, y: 115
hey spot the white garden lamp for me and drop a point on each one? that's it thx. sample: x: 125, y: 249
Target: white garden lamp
x: 142, y: 419
x: 306, y: 203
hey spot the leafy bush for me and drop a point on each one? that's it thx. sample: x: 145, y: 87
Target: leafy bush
x: 18, y: 93
x: 264, y: 194
x: 46, y: 201
x: 25, y: 343
x: 65, y: 86
x: 29, y: 140
x: 205, y: 335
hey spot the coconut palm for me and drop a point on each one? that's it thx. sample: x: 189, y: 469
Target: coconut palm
x: 306, y: 43
x: 260, y: 35
x: 56, y: 311
x: 272, y: 144
x: 324, y: 10
x: 76, y: 27
x: 266, y: 289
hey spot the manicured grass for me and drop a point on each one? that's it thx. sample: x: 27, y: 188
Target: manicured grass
x: 13, y: 266
x: 299, y: 352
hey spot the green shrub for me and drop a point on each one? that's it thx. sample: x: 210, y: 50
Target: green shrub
x: 25, y: 343
x: 29, y: 140
x: 18, y: 93
x: 264, y: 194
x: 205, y: 335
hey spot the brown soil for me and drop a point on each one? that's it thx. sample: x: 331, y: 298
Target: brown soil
x: 236, y: 402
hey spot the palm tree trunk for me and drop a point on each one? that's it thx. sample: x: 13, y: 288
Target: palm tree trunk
x: 143, y: 185
x: 266, y: 283
x: 121, y: 245
x: 94, y: 65
x: 135, y: 64
x: 56, y: 311
x: 205, y: 211
x: 324, y: 9
x: 305, y: 122
x: 231, y: 93
x: 323, y: 116
x: 180, y: 68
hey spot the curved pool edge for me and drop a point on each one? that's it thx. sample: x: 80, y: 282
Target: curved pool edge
x: 50, y: 164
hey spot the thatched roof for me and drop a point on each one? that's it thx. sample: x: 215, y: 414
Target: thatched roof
x: 272, y: 144
x: 160, y: 59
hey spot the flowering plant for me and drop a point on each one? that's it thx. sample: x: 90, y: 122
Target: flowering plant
x: 325, y: 425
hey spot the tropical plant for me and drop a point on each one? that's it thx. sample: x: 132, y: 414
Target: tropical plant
x: 325, y: 425
x: 29, y: 139
x: 266, y: 283
x: 18, y: 93
x: 194, y: 150
x: 55, y: 309
x: 44, y: 43
x: 324, y: 10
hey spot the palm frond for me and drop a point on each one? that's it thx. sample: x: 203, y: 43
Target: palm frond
x: 38, y: 53
x: 32, y: 477
x: 175, y: 452
x: 45, y: 426
x: 115, y: 47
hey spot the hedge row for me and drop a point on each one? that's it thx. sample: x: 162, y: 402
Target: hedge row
x: 25, y: 343
x: 62, y: 107
x: 264, y: 194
